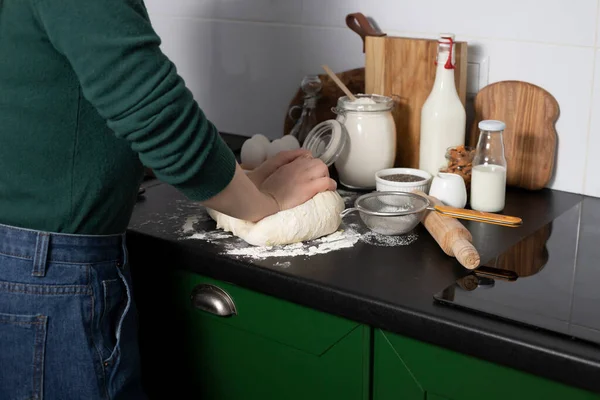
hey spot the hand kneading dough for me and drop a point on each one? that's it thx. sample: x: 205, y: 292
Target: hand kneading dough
x: 317, y: 217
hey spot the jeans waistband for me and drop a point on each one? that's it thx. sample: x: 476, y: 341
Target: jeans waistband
x: 44, y: 247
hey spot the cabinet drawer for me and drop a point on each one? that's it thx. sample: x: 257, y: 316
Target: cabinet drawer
x: 287, y: 323
x: 270, y: 350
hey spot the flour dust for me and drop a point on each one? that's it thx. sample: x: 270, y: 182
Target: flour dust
x: 211, y: 236
x: 284, y: 265
x: 376, y: 239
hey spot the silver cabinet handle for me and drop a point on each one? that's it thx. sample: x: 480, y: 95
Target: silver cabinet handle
x: 214, y: 300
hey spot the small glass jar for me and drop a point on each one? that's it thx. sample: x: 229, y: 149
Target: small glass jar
x: 371, y: 147
x: 311, y: 86
x: 488, y: 177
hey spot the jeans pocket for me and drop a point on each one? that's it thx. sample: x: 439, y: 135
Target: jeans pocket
x: 117, y: 302
x: 22, y: 358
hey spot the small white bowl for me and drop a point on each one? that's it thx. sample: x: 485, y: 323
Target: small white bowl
x: 383, y: 185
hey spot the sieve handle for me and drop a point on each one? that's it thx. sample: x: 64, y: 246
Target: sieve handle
x: 471, y: 215
x: 348, y: 211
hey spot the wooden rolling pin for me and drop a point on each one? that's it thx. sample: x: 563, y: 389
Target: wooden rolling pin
x: 454, y: 239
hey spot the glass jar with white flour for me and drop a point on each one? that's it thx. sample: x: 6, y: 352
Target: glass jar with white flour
x: 371, y: 144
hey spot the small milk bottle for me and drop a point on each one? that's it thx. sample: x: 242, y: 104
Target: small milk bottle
x: 443, y: 117
x: 488, y: 178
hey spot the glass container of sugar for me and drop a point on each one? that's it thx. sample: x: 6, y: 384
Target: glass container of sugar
x: 371, y: 146
x: 488, y: 176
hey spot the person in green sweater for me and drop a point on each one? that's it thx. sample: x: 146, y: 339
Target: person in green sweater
x: 87, y: 99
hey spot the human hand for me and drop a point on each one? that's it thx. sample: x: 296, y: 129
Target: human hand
x: 264, y: 170
x: 297, y: 182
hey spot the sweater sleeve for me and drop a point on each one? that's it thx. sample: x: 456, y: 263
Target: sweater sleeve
x: 114, y: 51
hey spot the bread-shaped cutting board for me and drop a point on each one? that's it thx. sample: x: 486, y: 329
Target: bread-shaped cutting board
x: 530, y: 138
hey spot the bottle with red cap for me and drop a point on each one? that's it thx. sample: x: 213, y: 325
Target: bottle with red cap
x: 443, y: 116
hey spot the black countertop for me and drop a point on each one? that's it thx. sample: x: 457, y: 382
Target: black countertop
x: 392, y: 288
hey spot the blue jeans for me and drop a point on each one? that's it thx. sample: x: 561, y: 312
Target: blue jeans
x: 68, y: 326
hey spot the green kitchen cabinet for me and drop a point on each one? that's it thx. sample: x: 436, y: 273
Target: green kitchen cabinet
x: 407, y: 369
x: 273, y: 349
x: 270, y: 349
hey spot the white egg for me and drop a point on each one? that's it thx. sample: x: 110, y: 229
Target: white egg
x: 262, y: 139
x: 253, y: 153
x: 291, y: 143
x: 275, y: 147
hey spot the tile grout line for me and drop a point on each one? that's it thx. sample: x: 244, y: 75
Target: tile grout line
x: 591, y: 112
x: 391, y: 31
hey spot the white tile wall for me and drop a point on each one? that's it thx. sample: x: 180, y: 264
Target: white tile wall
x: 242, y: 75
x: 286, y: 11
x: 244, y: 59
x: 554, y: 21
x: 323, y: 45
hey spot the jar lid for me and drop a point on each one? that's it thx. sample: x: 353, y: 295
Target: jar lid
x: 491, y: 125
x: 327, y: 141
x: 366, y: 102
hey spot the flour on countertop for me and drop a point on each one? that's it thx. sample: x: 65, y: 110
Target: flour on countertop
x: 342, y: 239
x: 189, y: 224
x: 336, y: 241
x: 191, y: 221
x: 350, y: 233
x: 210, y: 236
x: 376, y: 239
x: 285, y: 264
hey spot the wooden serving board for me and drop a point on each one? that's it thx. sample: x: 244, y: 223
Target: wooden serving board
x: 406, y: 67
x: 530, y: 138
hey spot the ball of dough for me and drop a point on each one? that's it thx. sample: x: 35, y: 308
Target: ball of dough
x: 275, y: 147
x: 317, y: 217
x: 261, y: 139
x: 291, y: 143
x: 253, y: 153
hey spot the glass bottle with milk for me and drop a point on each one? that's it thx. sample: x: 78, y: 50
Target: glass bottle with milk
x: 443, y: 116
x: 488, y: 178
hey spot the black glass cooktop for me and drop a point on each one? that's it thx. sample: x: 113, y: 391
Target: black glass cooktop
x: 549, y: 280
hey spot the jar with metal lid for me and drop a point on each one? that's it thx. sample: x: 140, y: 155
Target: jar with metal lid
x: 360, y: 141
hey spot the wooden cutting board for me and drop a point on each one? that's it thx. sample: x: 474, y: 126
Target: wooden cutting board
x: 530, y: 138
x: 406, y: 67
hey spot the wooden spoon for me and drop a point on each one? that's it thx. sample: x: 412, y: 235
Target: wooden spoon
x: 338, y: 82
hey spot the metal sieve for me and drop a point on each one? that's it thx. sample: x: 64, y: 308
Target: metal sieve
x: 389, y: 213
x: 397, y: 213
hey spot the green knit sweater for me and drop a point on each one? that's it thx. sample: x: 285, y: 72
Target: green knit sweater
x: 86, y: 98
